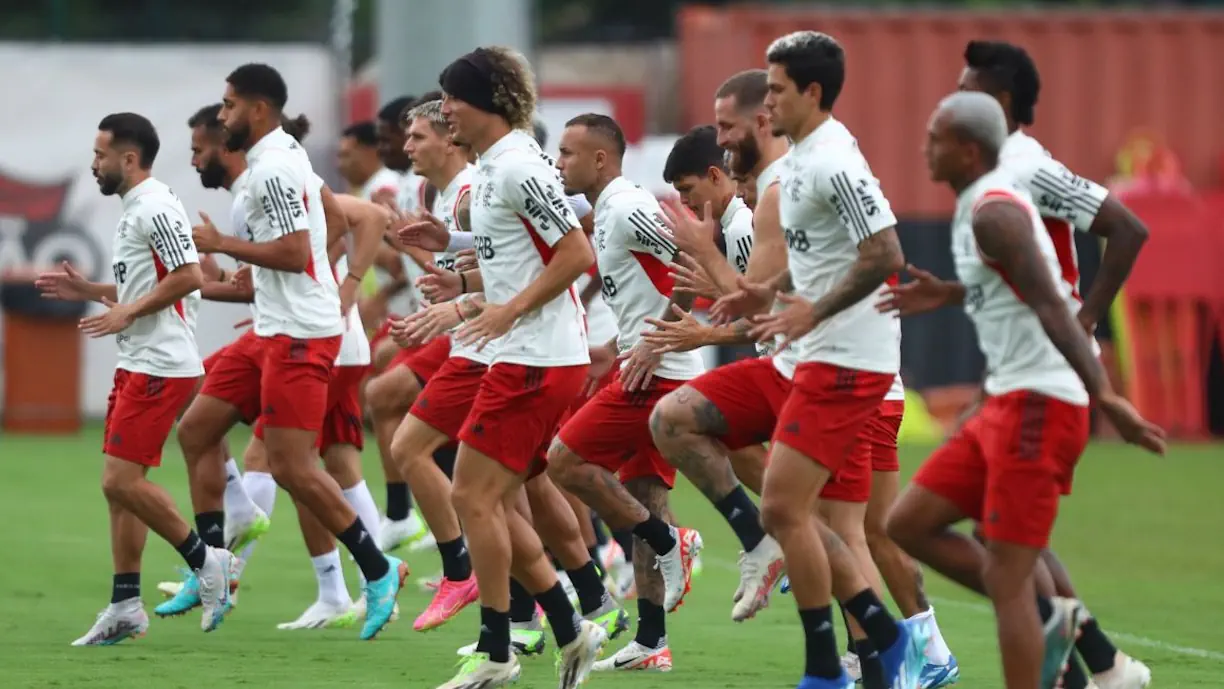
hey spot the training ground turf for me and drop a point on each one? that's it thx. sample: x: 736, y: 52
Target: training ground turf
x: 1142, y: 537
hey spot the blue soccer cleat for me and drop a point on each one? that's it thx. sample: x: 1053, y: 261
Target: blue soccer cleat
x: 186, y: 600
x: 904, y: 661
x: 809, y: 682
x: 380, y: 597
x: 936, y: 676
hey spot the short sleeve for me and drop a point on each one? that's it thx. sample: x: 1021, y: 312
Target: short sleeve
x: 1060, y: 193
x: 582, y: 207
x: 169, y: 236
x: 738, y: 237
x: 279, y: 191
x: 855, y: 197
x: 646, y: 233
x: 536, y: 195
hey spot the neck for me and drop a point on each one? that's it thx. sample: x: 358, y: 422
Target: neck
x: 442, y: 178
x: 260, y: 130
x: 496, y: 130
x: 605, y: 178
x: 133, y: 181
x: 233, y: 172
x: 774, y: 148
x: 724, y: 201
x: 811, y: 124
x: 1012, y: 127
x: 963, y: 182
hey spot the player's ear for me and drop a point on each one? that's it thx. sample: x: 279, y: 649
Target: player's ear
x: 715, y: 174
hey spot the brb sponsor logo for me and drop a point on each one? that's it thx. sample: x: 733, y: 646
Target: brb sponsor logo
x: 34, y: 232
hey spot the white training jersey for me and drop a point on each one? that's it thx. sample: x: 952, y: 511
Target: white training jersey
x: 354, y: 344
x: 446, y: 209
x: 1065, y: 200
x: 285, y: 197
x: 829, y: 203
x: 601, y: 322
x: 384, y: 181
x: 153, y: 239
x: 239, y: 193
x: 787, y: 359
x: 519, y: 213
x: 633, y: 250
x: 736, y: 224
x: 1019, y: 354
x: 410, y: 197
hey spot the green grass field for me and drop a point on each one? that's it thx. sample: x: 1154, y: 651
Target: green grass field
x: 1141, y: 537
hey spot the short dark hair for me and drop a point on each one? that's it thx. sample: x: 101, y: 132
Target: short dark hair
x: 206, y: 117
x: 811, y: 57
x: 255, y: 80
x: 130, y: 129
x: 748, y: 88
x: 363, y: 133
x: 694, y: 154
x: 297, y: 127
x: 605, y: 126
x: 1004, y: 67
x: 427, y: 96
x: 393, y: 110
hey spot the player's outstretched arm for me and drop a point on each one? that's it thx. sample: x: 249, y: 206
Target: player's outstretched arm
x: 879, y: 257
x: 366, y: 222
x: 337, y: 220
x: 1124, y: 235
x: 180, y: 282
x: 572, y: 256
x: 1004, y: 233
x: 768, y: 257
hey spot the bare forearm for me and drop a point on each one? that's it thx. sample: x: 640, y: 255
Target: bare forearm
x: 879, y: 258
x: 721, y: 274
x: 1121, y: 252
x: 593, y: 287
x: 682, y: 299
x: 272, y: 255
x: 102, y: 290
x: 471, y: 306
x: 1069, y: 338
x: 783, y: 283
x: 473, y: 281
x: 558, y: 275
x: 224, y: 291
x: 169, y: 289
x: 367, y: 232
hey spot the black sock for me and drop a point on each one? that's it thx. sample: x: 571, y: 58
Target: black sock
x: 601, y: 534
x: 365, y: 551
x: 522, y: 605
x: 869, y: 611
x: 594, y: 553
x: 193, y: 551
x: 456, y: 563
x: 850, y: 647
x: 625, y: 540
x: 820, y: 643
x: 1074, y: 678
x: 125, y: 586
x: 871, y: 669
x: 561, y: 616
x: 444, y: 457
x: 657, y: 535
x: 211, y: 527
x: 1045, y: 608
x: 494, y: 635
x: 745, y: 519
x: 1095, y: 648
x: 652, y: 625
x: 589, y: 586
x: 398, y: 500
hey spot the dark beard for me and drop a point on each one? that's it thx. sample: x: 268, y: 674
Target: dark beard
x: 747, y: 156
x: 236, y: 139
x: 109, y: 184
x: 213, y: 174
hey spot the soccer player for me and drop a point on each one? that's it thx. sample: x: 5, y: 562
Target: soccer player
x: 298, y: 322
x: 1066, y: 202
x: 1014, y: 458
x: 360, y: 164
x: 530, y: 255
x: 604, y: 454
x: 151, y: 309
x: 841, y: 247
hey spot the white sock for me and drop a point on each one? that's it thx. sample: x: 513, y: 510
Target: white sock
x: 261, y: 488
x: 363, y: 504
x: 937, y: 651
x: 238, y: 505
x: 330, y: 575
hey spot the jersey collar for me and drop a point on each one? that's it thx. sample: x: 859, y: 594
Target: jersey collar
x: 276, y: 137
x: 148, y: 186
x: 729, y: 213
x: 514, y: 139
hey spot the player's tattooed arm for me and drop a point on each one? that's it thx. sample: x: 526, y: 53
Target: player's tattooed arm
x: 783, y: 283
x: 1004, y: 235
x: 463, y: 212
x: 1124, y: 236
x: 879, y: 257
x: 471, y: 306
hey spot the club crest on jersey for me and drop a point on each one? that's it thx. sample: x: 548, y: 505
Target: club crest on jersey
x: 792, y: 186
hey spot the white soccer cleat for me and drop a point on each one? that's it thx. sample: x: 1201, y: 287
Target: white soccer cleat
x: 635, y: 656
x: 396, y: 534
x: 676, y: 566
x: 526, y: 639
x: 759, y: 572
x: 358, y: 610
x: 214, y: 579
x: 239, y: 533
x: 478, y: 672
x: 578, y: 657
x: 116, y: 622
x: 322, y: 615
x: 1127, y: 673
x: 169, y: 589
x: 850, y: 663
x: 424, y: 543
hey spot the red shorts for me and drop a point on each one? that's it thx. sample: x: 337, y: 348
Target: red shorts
x: 423, y: 361
x: 882, y: 432
x: 342, y: 421
x: 515, y: 413
x: 446, y: 401
x: 232, y: 375
x: 383, y: 332
x: 581, y: 400
x: 1009, y: 463
x: 824, y: 417
x: 140, y: 412
x: 613, y: 431
x: 749, y: 393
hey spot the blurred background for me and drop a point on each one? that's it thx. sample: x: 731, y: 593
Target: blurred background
x: 1131, y: 96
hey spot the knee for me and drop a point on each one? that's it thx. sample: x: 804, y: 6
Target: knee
x: 875, y: 532
x: 192, y: 437
x: 668, y: 420
x: 386, y: 394
x: 468, y: 504
x: 562, y: 463
x: 401, y: 448
x: 116, y: 487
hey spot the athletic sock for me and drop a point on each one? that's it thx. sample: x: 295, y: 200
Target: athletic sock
x: 398, y: 500
x: 589, y: 586
x: 820, y: 643
x: 330, y: 576
x: 1095, y: 648
x: 494, y: 635
x: 870, y: 668
x: 193, y: 551
x: 456, y: 562
x: 561, y: 616
x: 125, y: 587
x: 652, y: 623
x: 211, y: 527
x: 879, y: 626
x: 657, y: 534
x: 522, y: 604
x: 745, y: 519
x: 361, y: 546
x: 624, y: 538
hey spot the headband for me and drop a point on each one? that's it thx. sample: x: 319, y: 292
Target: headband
x: 470, y: 79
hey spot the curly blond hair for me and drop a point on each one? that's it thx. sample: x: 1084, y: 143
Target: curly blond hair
x: 514, y: 86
